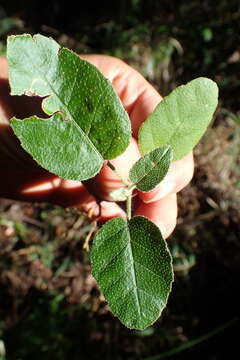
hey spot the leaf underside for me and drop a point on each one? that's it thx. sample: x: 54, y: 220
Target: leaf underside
x: 181, y: 118
x: 86, y: 105
x: 150, y: 170
x: 133, y: 268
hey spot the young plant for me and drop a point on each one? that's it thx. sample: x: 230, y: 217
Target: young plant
x: 88, y: 127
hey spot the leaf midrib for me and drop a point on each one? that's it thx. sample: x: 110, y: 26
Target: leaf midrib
x: 66, y: 109
x: 133, y: 271
x: 154, y: 165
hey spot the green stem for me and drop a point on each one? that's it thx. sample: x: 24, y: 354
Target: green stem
x: 129, y: 186
x: 129, y: 206
x: 129, y: 200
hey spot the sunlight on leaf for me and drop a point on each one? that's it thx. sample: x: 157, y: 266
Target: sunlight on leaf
x: 91, y: 121
x: 181, y: 118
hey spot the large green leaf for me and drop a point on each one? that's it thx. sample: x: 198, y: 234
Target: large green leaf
x: 78, y: 91
x: 150, y: 170
x: 59, y: 148
x: 133, y: 268
x: 181, y: 118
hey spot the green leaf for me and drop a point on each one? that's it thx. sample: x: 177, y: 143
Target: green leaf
x: 56, y: 144
x: 150, y: 170
x: 133, y: 268
x: 84, y: 99
x: 181, y: 118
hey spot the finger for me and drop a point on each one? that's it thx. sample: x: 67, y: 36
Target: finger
x: 67, y: 193
x: 74, y: 193
x: 162, y: 212
x: 107, y: 180
x: 108, y: 211
x: 44, y: 187
x: 138, y: 97
x: 179, y: 175
x: 3, y: 67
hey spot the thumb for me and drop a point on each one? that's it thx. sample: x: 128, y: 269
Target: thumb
x: 107, y: 180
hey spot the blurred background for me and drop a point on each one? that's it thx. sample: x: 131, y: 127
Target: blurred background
x: 50, y: 307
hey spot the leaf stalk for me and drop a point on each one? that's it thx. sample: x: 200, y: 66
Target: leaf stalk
x: 129, y: 186
x: 129, y: 206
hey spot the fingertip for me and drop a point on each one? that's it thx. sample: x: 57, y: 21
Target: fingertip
x: 170, y: 229
x: 166, y: 187
x: 162, y: 212
x: 108, y: 211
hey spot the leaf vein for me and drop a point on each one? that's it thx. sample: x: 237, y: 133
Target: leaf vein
x: 146, y: 268
x: 66, y: 109
x: 133, y: 272
x: 101, y: 242
x: 95, y: 110
x: 155, y: 300
x: 153, y: 166
x: 142, y: 246
x: 111, y: 285
x: 106, y: 265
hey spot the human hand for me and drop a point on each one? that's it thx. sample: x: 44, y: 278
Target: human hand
x: 23, y: 179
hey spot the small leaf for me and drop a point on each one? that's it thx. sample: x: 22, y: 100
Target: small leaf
x: 150, y: 170
x: 133, y: 268
x: 120, y: 194
x: 79, y: 92
x: 181, y: 118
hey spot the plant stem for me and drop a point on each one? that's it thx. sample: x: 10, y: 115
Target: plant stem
x: 129, y: 206
x: 130, y: 187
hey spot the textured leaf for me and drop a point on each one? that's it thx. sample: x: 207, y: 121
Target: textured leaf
x: 133, y: 268
x: 181, y: 118
x: 150, y: 170
x: 62, y: 146
x: 78, y: 91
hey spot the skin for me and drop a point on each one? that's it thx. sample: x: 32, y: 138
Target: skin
x: 23, y: 179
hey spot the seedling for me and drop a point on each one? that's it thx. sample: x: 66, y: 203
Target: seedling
x: 88, y: 127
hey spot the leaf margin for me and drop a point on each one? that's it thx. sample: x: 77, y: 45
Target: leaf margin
x: 97, y: 243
